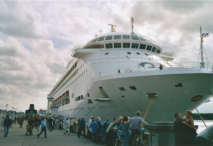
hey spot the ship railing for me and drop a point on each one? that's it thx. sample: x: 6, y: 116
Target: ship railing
x: 138, y: 68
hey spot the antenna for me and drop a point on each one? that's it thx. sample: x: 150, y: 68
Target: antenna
x: 132, y: 24
x: 112, y: 27
x: 201, y: 49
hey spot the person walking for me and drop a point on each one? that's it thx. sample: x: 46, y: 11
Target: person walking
x: 21, y: 122
x: 43, y: 129
x: 2, y: 123
x: 67, y: 126
x: 71, y: 124
x: 38, y: 123
x: 103, y: 130
x: 82, y: 127
x: 94, y: 128
x: 7, y: 124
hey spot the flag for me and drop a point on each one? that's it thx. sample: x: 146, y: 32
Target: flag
x: 205, y: 34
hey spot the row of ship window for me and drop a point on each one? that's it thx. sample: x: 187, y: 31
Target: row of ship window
x: 117, y: 37
x: 125, y: 45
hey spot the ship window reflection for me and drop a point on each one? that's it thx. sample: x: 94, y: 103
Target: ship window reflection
x: 108, y: 37
x: 134, y: 37
x: 149, y: 48
x: 142, y: 46
x: 126, y: 37
x: 101, y: 39
x: 154, y: 49
x: 109, y: 45
x: 117, y: 37
x: 142, y: 39
x: 126, y: 45
x: 135, y: 45
x: 117, y: 45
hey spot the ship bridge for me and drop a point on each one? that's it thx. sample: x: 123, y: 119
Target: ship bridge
x: 116, y: 40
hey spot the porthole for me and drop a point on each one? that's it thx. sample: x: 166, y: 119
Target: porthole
x: 128, y: 52
x: 146, y: 54
x: 106, y: 53
x: 123, y: 96
x: 138, y: 53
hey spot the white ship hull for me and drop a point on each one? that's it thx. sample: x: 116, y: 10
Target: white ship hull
x: 170, y: 99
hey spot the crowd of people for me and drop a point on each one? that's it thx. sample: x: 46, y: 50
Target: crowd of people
x: 109, y: 132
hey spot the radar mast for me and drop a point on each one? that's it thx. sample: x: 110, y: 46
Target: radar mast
x: 132, y: 25
x: 112, y: 27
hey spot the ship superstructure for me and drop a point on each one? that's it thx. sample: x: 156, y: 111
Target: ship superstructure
x: 118, y: 73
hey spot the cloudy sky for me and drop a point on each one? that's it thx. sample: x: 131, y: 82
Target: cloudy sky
x: 36, y: 38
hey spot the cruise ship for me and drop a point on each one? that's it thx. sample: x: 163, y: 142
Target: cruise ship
x: 118, y: 74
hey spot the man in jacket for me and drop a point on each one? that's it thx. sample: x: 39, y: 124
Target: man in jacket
x: 103, y: 130
x: 94, y: 128
x: 7, y: 124
x: 43, y: 129
x: 82, y: 127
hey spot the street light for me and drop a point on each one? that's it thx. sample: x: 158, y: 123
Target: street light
x: 6, y: 107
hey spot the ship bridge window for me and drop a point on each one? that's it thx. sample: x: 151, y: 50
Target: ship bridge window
x: 117, y: 37
x: 109, y: 46
x: 135, y: 45
x: 133, y: 87
x: 158, y: 51
x: 149, y: 48
x: 94, y: 40
x: 82, y: 97
x: 126, y: 45
x: 153, y: 49
x: 101, y: 39
x: 142, y: 46
x: 95, y: 46
x: 108, y: 37
x: 117, y: 45
x: 126, y: 37
x: 134, y: 37
x: 142, y: 39
x: 122, y: 88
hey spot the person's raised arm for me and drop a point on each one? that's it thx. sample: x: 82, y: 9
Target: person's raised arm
x: 144, y: 122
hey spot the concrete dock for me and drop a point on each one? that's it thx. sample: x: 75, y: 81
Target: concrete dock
x: 16, y: 137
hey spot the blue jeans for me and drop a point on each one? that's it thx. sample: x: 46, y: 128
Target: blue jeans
x: 103, y: 134
x: 43, y: 129
x: 126, y: 138
x: 6, y: 130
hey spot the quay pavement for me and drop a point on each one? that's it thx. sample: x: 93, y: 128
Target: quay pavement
x: 16, y: 137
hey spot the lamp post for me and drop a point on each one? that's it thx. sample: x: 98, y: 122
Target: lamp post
x: 6, y: 107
